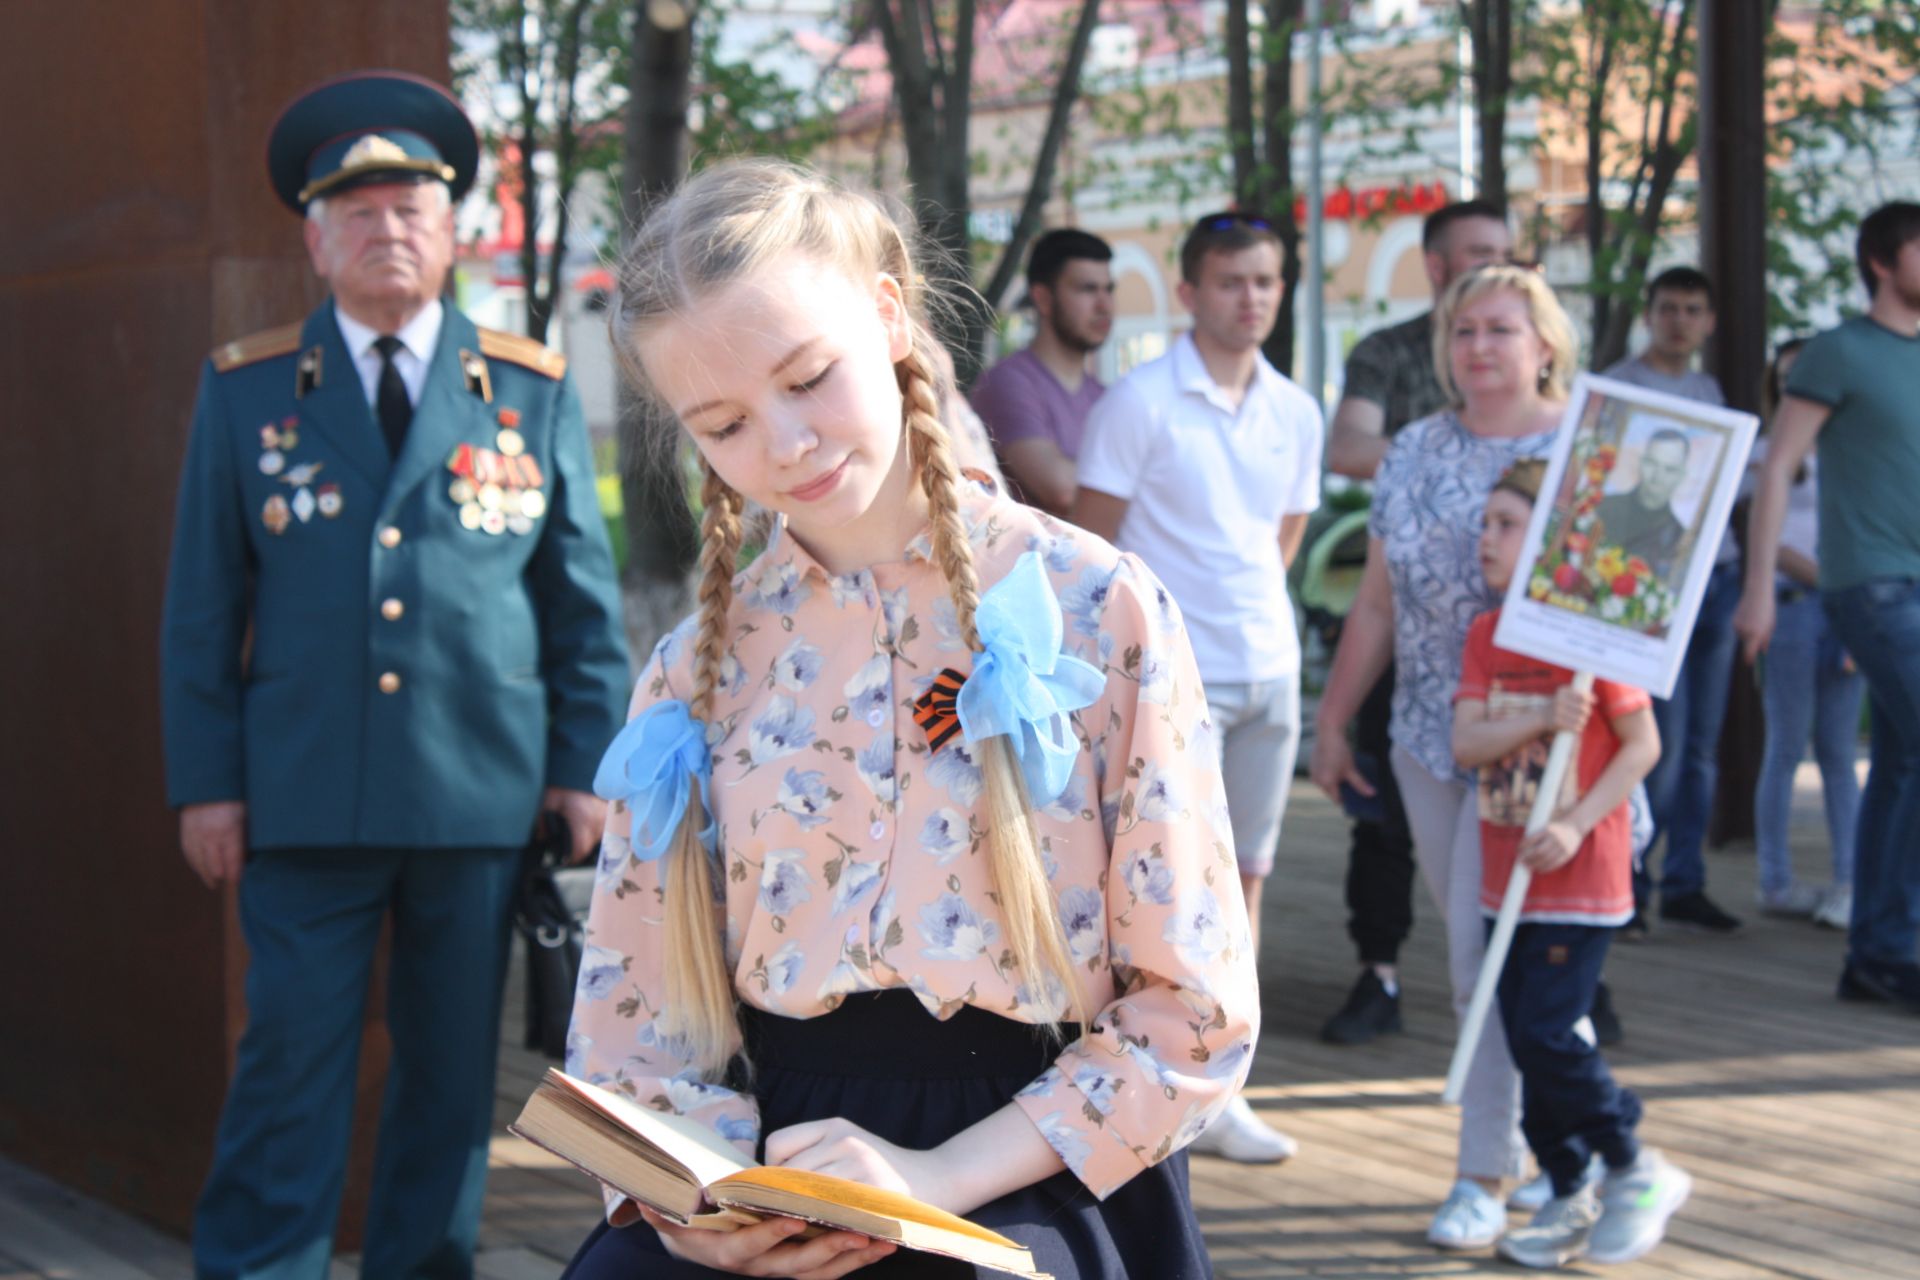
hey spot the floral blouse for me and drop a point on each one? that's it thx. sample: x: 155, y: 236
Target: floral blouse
x: 855, y: 859
x: 1429, y: 499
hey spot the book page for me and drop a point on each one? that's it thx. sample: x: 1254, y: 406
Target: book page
x: 859, y: 1197
x: 704, y: 1154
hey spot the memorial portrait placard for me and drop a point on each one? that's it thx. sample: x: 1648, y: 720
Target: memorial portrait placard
x: 1632, y: 509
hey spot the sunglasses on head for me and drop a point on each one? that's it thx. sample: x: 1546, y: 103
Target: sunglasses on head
x: 1222, y: 221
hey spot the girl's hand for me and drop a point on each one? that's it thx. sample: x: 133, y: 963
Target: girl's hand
x: 843, y: 1149
x: 1571, y: 709
x: 768, y: 1248
x: 1550, y: 848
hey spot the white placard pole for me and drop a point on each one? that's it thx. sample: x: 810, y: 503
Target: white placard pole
x: 1559, y: 759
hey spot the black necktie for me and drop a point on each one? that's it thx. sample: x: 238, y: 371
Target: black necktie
x: 395, y: 409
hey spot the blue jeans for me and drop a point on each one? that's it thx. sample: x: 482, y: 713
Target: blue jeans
x: 1572, y: 1109
x: 1680, y: 788
x: 1806, y: 688
x: 1879, y: 622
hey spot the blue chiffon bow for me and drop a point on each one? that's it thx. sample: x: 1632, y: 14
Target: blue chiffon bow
x: 647, y: 768
x: 1022, y: 684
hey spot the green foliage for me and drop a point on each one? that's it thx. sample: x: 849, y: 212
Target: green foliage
x: 1836, y: 97
x: 741, y: 109
x: 1616, y: 82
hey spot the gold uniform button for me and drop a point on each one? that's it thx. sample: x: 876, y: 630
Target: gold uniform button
x: 391, y: 610
x: 390, y: 536
x: 390, y: 682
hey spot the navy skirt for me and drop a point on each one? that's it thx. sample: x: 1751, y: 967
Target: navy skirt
x: 881, y: 1061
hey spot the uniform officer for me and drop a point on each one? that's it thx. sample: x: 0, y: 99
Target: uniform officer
x: 389, y: 644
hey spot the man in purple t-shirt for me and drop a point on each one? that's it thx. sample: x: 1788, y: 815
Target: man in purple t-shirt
x: 1035, y: 402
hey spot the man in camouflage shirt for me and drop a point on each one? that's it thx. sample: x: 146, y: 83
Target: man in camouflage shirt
x: 1391, y: 382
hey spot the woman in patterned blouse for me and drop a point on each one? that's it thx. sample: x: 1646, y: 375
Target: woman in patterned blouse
x: 992, y: 953
x: 1504, y: 351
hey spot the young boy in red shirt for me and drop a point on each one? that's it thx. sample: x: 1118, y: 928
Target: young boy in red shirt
x: 1506, y: 713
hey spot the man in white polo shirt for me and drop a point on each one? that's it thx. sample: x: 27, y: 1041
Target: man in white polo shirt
x: 1206, y: 463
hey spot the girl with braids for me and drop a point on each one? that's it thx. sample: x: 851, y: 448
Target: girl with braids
x: 918, y: 870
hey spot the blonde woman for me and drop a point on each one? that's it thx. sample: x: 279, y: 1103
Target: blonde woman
x: 918, y: 872
x: 1504, y: 352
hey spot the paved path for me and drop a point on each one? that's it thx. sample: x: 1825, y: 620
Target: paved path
x: 1798, y: 1116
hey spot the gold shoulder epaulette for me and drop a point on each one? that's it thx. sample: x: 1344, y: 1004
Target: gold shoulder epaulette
x: 256, y: 346
x: 523, y: 351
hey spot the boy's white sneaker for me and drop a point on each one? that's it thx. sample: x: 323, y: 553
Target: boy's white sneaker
x: 1238, y: 1134
x: 1533, y: 1196
x: 1558, y: 1234
x: 1635, y: 1203
x: 1469, y: 1218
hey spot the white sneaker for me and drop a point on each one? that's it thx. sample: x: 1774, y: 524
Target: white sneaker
x: 1533, y: 1196
x: 1836, y: 908
x: 1238, y: 1134
x: 1558, y: 1234
x: 1795, y: 902
x: 1635, y: 1203
x: 1469, y: 1218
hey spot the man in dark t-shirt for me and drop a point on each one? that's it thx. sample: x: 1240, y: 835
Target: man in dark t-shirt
x: 1391, y: 381
x: 1641, y: 521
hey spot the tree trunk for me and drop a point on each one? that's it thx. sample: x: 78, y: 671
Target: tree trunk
x: 1263, y: 160
x: 1670, y: 151
x: 528, y: 141
x: 662, y: 540
x: 1066, y: 92
x: 1241, y: 145
x: 1490, y: 32
x: 546, y: 302
x: 1596, y: 205
x: 1276, y: 195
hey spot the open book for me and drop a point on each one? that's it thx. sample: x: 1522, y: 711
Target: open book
x: 685, y: 1171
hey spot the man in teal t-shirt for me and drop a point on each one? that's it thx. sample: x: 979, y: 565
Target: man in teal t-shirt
x: 1856, y: 391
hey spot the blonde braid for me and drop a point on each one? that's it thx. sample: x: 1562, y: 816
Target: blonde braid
x: 1020, y: 879
x: 700, y: 999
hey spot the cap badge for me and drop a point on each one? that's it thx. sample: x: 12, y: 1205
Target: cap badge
x: 374, y: 150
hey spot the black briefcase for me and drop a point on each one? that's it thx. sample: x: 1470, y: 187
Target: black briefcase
x: 550, y: 913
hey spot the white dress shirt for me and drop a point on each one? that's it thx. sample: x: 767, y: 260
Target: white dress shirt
x: 417, y: 338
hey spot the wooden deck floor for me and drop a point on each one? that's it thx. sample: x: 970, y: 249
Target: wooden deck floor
x: 1798, y: 1116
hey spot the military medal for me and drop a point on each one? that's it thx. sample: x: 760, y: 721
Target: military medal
x: 331, y: 502
x: 275, y: 515
x: 303, y: 474
x: 303, y: 505
x: 462, y: 491
x: 511, y: 442
x: 470, y: 514
x: 493, y: 522
x: 272, y: 462
x: 510, y: 502
x: 519, y: 524
x: 491, y: 496
x: 533, y: 504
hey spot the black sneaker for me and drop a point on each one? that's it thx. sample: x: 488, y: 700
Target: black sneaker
x: 1368, y: 1012
x: 1606, y: 1023
x: 1897, y: 984
x: 1696, y: 911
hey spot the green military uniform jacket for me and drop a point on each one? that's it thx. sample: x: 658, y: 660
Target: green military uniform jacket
x: 388, y: 652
